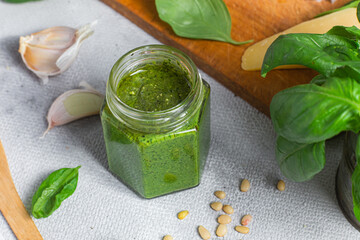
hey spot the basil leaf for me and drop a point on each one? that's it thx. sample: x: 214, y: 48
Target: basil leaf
x: 311, y: 113
x: 198, y: 19
x: 358, y: 11
x: 300, y: 161
x: 326, y: 53
x: 58, y: 186
x: 352, y: 4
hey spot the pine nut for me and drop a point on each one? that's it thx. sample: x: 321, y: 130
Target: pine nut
x: 204, y: 233
x: 246, y: 220
x: 242, y: 229
x: 228, y: 209
x: 221, y: 230
x: 181, y: 215
x: 224, y: 219
x: 217, y: 206
x: 245, y: 185
x: 220, y: 194
x: 168, y: 237
x: 281, y: 185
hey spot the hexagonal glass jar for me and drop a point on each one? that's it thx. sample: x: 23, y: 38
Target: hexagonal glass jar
x: 156, y: 153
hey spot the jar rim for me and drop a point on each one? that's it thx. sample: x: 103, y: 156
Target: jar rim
x: 158, y: 118
x: 153, y: 47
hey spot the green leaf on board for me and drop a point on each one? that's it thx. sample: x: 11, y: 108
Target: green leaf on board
x: 300, y: 161
x: 198, y: 19
x: 58, y: 186
x: 329, y: 54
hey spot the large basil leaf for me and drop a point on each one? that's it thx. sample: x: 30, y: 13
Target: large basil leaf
x: 326, y: 53
x: 300, y: 161
x: 352, y: 4
x: 198, y: 19
x: 58, y: 186
x: 311, y: 113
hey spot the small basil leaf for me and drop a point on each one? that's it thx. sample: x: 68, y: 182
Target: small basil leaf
x: 319, y: 80
x: 325, y: 53
x: 58, y: 186
x: 300, y: 161
x: 355, y: 182
x: 311, y: 113
x: 352, y: 4
x: 198, y: 19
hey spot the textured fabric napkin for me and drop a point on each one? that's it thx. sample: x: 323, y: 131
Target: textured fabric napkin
x: 242, y: 146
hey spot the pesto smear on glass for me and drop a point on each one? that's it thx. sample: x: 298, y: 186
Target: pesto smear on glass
x: 154, y: 87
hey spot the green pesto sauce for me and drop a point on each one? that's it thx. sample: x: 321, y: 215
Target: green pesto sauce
x: 154, y: 87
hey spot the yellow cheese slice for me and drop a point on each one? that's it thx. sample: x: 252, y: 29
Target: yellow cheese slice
x: 253, y: 56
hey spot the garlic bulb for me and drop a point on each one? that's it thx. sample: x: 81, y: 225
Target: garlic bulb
x: 51, y: 51
x: 73, y: 105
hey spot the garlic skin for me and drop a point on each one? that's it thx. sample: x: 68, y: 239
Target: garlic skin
x: 73, y: 105
x: 52, y: 51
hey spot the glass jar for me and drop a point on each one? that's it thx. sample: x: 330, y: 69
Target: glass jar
x: 156, y: 153
x: 343, y: 179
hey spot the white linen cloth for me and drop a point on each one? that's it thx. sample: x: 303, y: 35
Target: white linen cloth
x: 242, y: 146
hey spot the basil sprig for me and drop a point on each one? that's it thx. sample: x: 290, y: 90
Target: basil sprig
x: 305, y: 116
x: 198, y: 19
x: 58, y: 186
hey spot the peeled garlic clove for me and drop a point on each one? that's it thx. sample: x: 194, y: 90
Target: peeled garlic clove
x: 73, y: 105
x: 51, y: 51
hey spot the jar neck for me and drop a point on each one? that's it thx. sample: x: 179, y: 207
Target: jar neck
x: 160, y: 121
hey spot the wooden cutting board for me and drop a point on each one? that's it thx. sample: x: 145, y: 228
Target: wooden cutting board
x: 251, y: 19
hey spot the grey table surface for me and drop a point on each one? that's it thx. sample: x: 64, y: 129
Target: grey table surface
x: 242, y: 146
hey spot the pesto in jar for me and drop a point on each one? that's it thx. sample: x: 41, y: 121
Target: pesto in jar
x: 158, y: 161
x: 154, y: 87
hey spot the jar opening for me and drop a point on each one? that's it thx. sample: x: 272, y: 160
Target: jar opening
x: 140, y: 58
x: 154, y: 86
